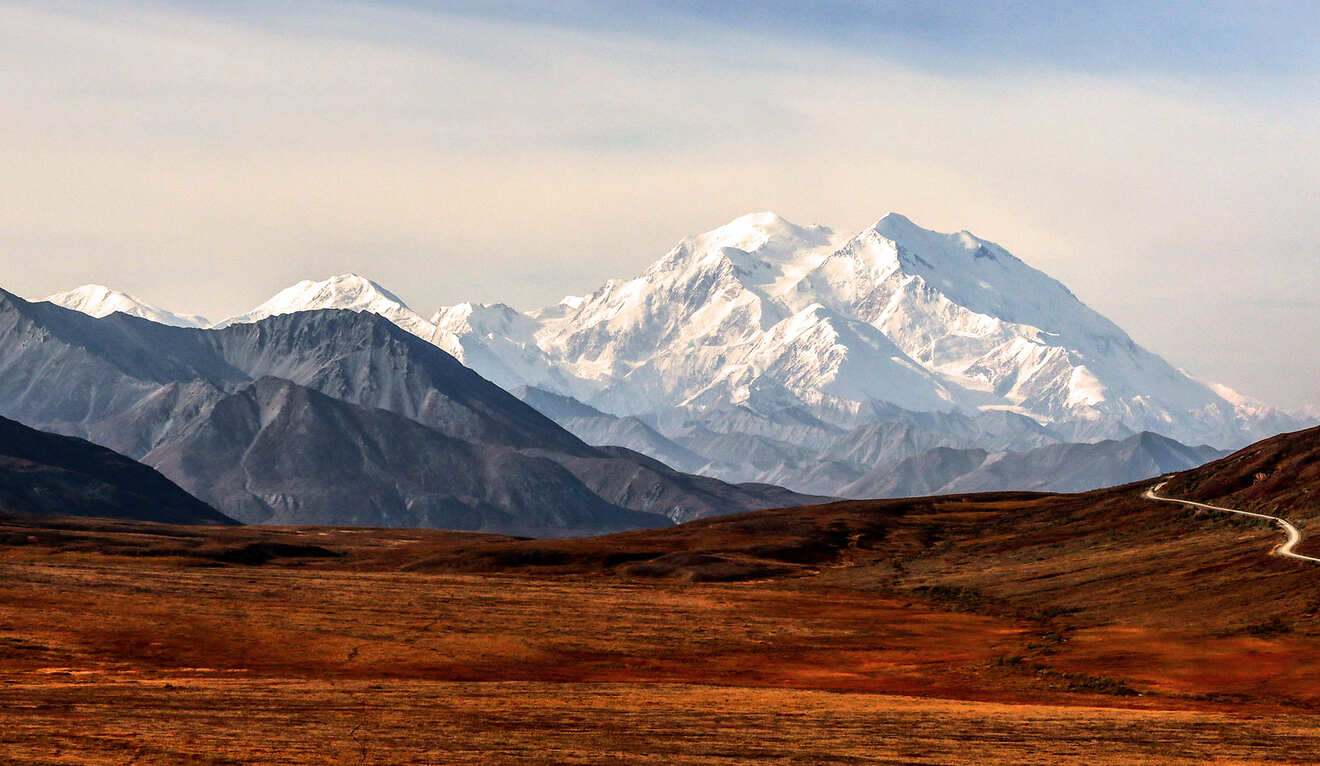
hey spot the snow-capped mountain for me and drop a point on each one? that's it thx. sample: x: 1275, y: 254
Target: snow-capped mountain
x: 500, y: 341
x: 100, y: 301
x: 766, y: 314
x: 333, y: 417
x: 780, y: 331
x: 971, y: 312
x: 708, y: 325
x: 345, y: 291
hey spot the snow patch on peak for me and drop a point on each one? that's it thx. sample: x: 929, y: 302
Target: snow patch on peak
x: 898, y: 313
x: 566, y: 306
x: 101, y: 301
x: 499, y: 342
x: 1232, y: 397
x: 936, y: 245
x: 486, y: 319
x: 351, y: 292
x: 897, y: 222
x: 751, y: 242
x: 763, y: 234
x: 339, y: 291
x: 934, y: 249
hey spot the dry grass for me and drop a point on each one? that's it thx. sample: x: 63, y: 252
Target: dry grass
x: 1000, y: 629
x: 205, y: 719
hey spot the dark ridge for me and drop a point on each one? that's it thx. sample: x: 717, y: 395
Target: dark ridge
x: 43, y: 474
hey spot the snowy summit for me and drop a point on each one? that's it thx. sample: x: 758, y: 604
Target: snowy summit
x: 791, y: 323
x: 100, y: 301
x: 345, y: 291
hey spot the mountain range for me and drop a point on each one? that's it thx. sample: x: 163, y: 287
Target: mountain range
x: 332, y: 417
x: 772, y: 353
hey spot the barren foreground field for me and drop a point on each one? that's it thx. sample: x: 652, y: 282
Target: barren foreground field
x: 749, y: 640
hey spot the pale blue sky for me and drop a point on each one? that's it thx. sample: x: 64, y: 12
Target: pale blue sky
x: 1159, y: 158
x: 958, y: 37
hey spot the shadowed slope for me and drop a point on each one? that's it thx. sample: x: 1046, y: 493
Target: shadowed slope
x: 279, y: 453
x: 44, y: 474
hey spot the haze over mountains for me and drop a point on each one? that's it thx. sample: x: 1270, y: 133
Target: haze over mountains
x: 765, y: 351
x: 1074, y: 467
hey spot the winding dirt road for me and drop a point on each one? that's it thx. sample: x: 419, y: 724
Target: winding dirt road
x: 1285, y: 549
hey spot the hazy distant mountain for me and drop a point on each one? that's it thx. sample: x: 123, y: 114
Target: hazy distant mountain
x: 557, y: 407
x: 1053, y: 468
x: 595, y: 427
x: 153, y: 390
x: 926, y: 473
x: 916, y: 454
x: 99, y: 301
x: 43, y: 474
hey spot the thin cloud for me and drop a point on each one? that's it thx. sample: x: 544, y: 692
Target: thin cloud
x: 203, y: 159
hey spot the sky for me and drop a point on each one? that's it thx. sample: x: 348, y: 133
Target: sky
x: 1161, y: 159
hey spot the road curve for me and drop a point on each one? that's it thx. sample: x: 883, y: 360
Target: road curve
x: 1285, y: 550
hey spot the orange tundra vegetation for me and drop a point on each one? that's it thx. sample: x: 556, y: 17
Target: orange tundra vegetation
x: 1011, y: 627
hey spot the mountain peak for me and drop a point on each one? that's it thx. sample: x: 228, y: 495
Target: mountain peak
x: 904, y: 231
x: 929, y: 243
x: 471, y: 309
x: 93, y: 290
x: 351, y: 283
x: 762, y: 219
x: 763, y: 233
x: 101, y: 301
x: 342, y: 291
x: 99, y: 298
x: 895, y: 219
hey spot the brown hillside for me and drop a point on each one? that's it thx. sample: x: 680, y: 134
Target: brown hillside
x: 1007, y: 627
x: 1279, y: 476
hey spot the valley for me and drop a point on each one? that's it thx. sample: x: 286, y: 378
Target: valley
x: 786, y: 497
x: 673, y: 383
x: 952, y: 629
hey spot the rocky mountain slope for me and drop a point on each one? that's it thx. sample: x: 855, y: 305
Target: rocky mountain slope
x: 152, y: 391
x: 370, y: 467
x: 44, y: 474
